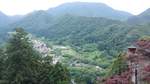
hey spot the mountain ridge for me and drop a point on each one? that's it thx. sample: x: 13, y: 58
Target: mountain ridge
x: 142, y: 18
x: 4, y: 19
x: 90, y: 10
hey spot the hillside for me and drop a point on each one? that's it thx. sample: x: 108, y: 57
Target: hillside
x: 33, y: 22
x: 141, y: 18
x: 89, y: 10
x: 76, y: 30
x: 42, y: 20
x: 107, y: 35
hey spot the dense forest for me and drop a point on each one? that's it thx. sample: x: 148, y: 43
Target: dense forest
x: 87, y: 41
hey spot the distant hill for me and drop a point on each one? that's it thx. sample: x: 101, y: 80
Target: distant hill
x: 141, y: 18
x: 89, y: 10
x: 4, y: 19
x: 32, y: 22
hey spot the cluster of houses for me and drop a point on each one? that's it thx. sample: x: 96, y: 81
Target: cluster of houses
x: 41, y: 47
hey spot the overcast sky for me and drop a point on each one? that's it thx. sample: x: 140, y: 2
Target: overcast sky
x: 20, y: 7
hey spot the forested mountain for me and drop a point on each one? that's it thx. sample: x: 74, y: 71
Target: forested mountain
x: 89, y: 10
x: 33, y: 22
x: 141, y: 18
x: 106, y: 34
x: 80, y: 31
x: 76, y: 30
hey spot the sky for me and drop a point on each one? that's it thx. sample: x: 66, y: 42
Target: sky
x: 21, y: 7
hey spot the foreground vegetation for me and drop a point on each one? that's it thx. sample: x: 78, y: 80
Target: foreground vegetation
x: 21, y: 64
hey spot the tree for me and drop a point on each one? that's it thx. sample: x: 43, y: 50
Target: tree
x: 119, y: 65
x: 24, y: 65
x: 1, y: 62
x: 60, y: 75
x: 22, y: 59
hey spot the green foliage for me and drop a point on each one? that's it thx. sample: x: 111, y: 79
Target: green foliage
x: 85, y: 67
x: 82, y: 33
x: 83, y: 75
x: 119, y: 65
x: 24, y: 65
x: 21, y: 60
x: 2, y: 59
x: 145, y: 38
x: 89, y: 33
x: 60, y: 75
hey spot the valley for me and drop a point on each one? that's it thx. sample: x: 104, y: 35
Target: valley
x: 80, y: 65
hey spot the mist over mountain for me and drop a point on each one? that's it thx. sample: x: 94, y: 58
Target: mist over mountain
x: 89, y: 10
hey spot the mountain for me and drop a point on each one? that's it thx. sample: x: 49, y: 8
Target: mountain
x: 4, y: 22
x: 146, y: 13
x: 32, y: 22
x: 4, y: 19
x: 141, y: 18
x: 75, y: 30
x: 81, y: 31
x: 106, y: 34
x: 89, y: 10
